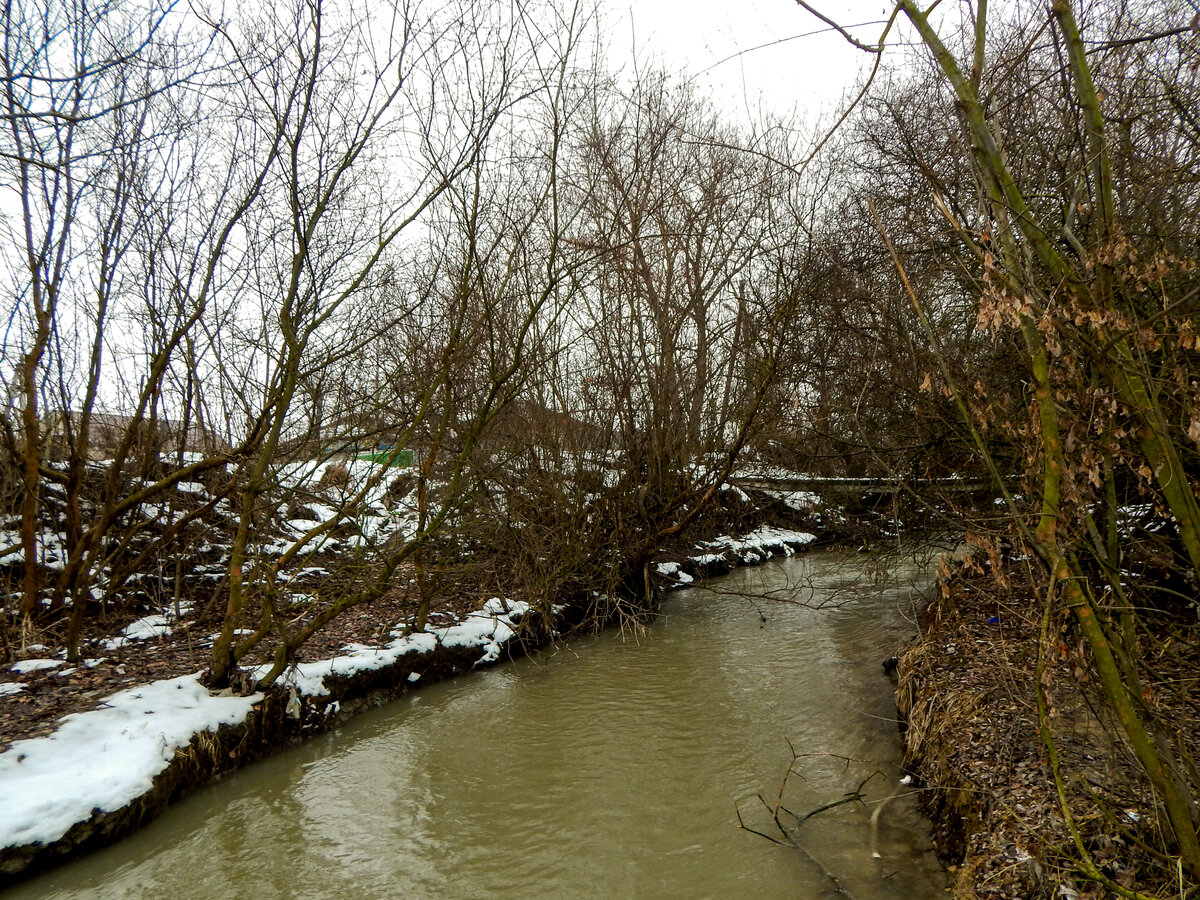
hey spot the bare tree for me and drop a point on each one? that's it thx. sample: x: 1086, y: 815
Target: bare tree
x: 89, y: 104
x: 658, y: 367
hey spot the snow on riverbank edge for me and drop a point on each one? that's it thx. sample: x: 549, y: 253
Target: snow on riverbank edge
x: 105, y: 772
x: 106, y: 758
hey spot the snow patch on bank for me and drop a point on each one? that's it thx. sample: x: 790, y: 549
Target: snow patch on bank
x: 488, y: 628
x: 674, y: 570
x: 758, y: 545
x: 309, y: 678
x: 801, y: 501
x: 143, y: 629
x: 105, y: 758
x: 25, y: 666
x: 724, y: 551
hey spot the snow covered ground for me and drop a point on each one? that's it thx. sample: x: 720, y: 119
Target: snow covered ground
x: 488, y: 628
x: 360, y: 501
x: 105, y: 758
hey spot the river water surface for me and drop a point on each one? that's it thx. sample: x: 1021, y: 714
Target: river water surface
x: 613, y: 766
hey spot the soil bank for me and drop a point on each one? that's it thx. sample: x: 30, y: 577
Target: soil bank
x: 967, y: 699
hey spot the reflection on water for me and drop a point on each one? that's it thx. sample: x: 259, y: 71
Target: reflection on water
x: 614, y: 766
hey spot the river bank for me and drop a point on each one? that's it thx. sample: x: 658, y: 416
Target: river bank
x: 86, y: 765
x: 967, y: 697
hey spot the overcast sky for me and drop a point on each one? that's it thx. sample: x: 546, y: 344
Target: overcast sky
x: 716, y: 39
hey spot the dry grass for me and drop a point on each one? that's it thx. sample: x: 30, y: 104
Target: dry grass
x: 967, y: 690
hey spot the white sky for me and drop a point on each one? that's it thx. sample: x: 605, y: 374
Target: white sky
x: 807, y: 73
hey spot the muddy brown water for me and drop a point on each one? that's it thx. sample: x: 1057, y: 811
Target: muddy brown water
x: 614, y: 766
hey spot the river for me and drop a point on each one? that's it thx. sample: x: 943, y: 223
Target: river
x: 611, y: 766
